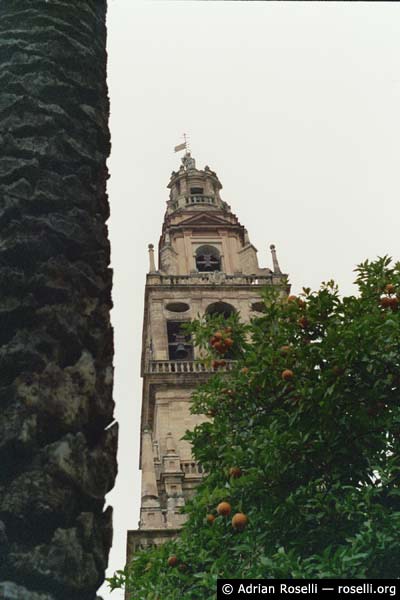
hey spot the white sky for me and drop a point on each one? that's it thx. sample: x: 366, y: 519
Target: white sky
x: 294, y: 105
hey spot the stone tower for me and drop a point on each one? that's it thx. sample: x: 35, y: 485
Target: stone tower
x: 207, y: 264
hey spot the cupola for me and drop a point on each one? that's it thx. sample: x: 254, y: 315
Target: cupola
x: 193, y: 188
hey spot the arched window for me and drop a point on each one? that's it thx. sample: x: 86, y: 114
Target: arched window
x: 225, y: 310
x: 220, y: 308
x: 208, y: 259
x: 179, y: 342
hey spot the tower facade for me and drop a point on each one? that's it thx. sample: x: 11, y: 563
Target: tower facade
x: 206, y: 264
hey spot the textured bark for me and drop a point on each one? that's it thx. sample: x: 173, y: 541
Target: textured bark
x: 57, y: 451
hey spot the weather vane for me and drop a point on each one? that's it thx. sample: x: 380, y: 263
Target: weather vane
x: 184, y: 145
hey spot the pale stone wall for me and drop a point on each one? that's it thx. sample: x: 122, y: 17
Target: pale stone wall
x: 172, y: 415
x: 169, y: 415
x: 248, y: 260
x: 158, y: 333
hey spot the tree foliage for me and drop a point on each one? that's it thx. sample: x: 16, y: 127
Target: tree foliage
x: 317, y: 447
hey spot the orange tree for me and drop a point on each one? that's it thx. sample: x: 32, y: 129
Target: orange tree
x: 302, y: 444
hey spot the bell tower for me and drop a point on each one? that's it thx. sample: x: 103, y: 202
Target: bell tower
x: 206, y: 264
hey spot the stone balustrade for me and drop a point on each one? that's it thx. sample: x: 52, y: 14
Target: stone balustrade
x: 183, y: 366
x: 199, y: 199
x: 211, y: 278
x: 192, y: 468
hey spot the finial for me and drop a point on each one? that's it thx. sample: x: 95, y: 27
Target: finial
x: 274, y: 259
x: 151, y: 259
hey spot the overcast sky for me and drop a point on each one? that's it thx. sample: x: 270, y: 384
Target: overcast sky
x: 294, y: 105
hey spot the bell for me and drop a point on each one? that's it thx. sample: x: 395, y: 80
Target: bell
x: 180, y: 351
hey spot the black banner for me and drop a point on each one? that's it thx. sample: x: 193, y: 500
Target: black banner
x: 313, y: 589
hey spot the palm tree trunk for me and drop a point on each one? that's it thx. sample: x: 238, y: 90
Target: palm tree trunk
x: 57, y: 451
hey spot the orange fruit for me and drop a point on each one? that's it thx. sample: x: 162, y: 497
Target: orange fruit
x: 172, y: 561
x: 210, y: 519
x: 245, y: 370
x: 390, y: 288
x: 239, y: 521
x: 220, y: 347
x: 229, y: 342
x: 292, y: 298
x: 385, y: 302
x: 394, y: 302
x: 235, y: 472
x: 224, y: 509
x: 218, y: 335
x: 287, y: 374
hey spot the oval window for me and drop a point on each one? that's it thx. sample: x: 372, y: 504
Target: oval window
x: 258, y: 306
x: 177, y: 307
